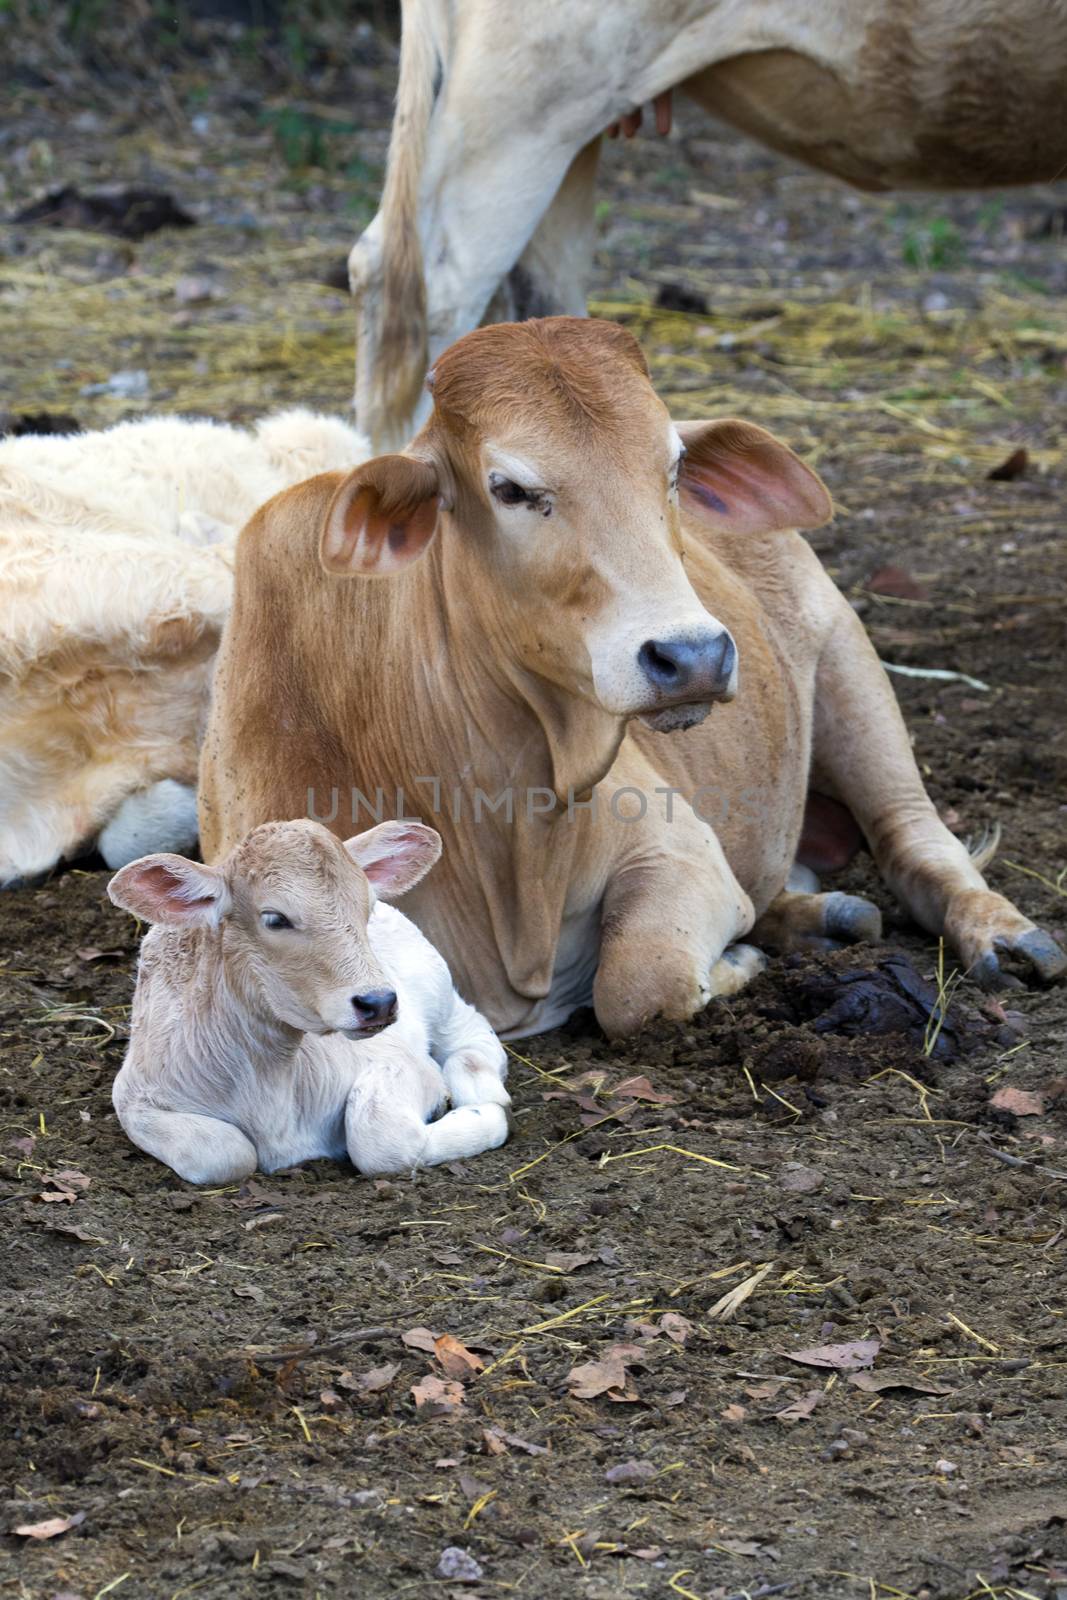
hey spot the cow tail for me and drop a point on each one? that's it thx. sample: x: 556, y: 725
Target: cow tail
x: 403, y: 339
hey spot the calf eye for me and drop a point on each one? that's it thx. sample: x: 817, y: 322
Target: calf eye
x: 275, y: 919
x: 507, y: 492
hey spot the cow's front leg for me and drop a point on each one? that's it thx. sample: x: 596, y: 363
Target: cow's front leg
x: 391, y: 1121
x: 199, y: 1149
x: 474, y: 1063
x: 863, y: 757
x: 671, y: 909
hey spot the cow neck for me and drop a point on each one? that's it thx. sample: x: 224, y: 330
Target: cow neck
x: 227, y: 1017
x: 466, y: 712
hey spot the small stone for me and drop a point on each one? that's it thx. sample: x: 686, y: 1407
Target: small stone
x: 630, y: 1472
x: 458, y: 1566
x: 945, y: 1468
x: 798, y: 1179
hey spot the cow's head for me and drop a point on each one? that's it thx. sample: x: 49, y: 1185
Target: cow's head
x: 564, y: 480
x: 292, y: 905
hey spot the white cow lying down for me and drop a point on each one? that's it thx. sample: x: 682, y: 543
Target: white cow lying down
x: 116, y: 553
x: 263, y: 1028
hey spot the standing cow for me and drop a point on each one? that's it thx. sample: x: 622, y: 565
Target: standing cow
x: 535, y: 608
x: 492, y: 162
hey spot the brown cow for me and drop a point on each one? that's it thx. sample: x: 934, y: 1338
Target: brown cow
x: 590, y: 576
x: 493, y: 156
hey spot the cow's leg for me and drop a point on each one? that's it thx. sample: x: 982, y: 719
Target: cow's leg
x: 199, y: 1149
x: 387, y: 1126
x: 551, y: 277
x: 671, y: 909
x: 161, y: 817
x: 792, y: 920
x: 474, y: 1063
x: 863, y: 757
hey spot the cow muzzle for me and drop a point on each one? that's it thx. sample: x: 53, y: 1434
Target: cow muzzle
x: 687, y: 674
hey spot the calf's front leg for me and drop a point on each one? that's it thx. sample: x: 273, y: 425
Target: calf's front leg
x: 199, y: 1149
x: 388, y: 1111
x: 862, y: 756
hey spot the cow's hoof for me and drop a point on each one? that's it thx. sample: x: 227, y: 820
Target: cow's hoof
x: 851, y: 919
x: 735, y: 968
x: 1035, y: 951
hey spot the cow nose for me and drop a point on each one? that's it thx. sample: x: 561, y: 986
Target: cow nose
x: 377, y: 1006
x: 698, y: 666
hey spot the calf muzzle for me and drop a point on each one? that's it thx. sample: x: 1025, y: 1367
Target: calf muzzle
x: 374, y: 1010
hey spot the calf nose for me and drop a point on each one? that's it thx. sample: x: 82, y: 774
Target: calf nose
x: 697, y: 666
x: 376, y: 1006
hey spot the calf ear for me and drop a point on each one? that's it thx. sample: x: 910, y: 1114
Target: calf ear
x: 166, y: 888
x: 742, y: 479
x: 382, y: 517
x: 395, y: 855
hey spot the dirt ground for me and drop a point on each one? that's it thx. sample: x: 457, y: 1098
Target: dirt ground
x: 227, y: 1391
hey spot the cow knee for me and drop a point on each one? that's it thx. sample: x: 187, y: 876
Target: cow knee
x: 199, y: 1149
x: 635, y: 986
x: 162, y: 817
x: 473, y: 1080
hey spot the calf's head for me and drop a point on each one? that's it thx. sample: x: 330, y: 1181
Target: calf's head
x: 291, y: 905
x: 565, y: 483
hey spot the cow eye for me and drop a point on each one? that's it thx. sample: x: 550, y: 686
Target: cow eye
x: 275, y: 919
x: 509, y: 493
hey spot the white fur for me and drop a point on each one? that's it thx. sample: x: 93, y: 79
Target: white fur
x: 116, y: 556
x: 160, y: 818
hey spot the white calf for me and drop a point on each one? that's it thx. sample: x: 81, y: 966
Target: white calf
x: 116, y: 570
x: 282, y: 1012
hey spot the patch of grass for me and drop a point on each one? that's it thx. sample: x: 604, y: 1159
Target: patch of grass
x: 306, y: 139
x: 932, y: 244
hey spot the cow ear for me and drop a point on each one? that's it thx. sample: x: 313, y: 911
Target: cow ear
x: 168, y: 888
x: 395, y: 855
x: 742, y: 479
x: 382, y: 517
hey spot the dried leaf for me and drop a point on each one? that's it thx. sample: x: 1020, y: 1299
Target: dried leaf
x: 372, y: 1382
x: 24, y: 1146
x: 841, y: 1357
x: 739, y: 1547
x: 503, y: 1438
x: 875, y: 1382
x: 606, y: 1376
x: 566, y: 1260
x: 897, y: 583
x: 734, y: 1413
x: 51, y: 1528
x: 675, y: 1326
x: 438, y: 1397
x: 1011, y: 468
x: 69, y: 1179
x: 457, y: 1360
x: 74, y: 1231
x: 641, y: 1089
x: 492, y: 1443
x: 1020, y: 1102
x: 419, y: 1339
x: 768, y: 1390
x: 248, y: 1291
x: 801, y: 1408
